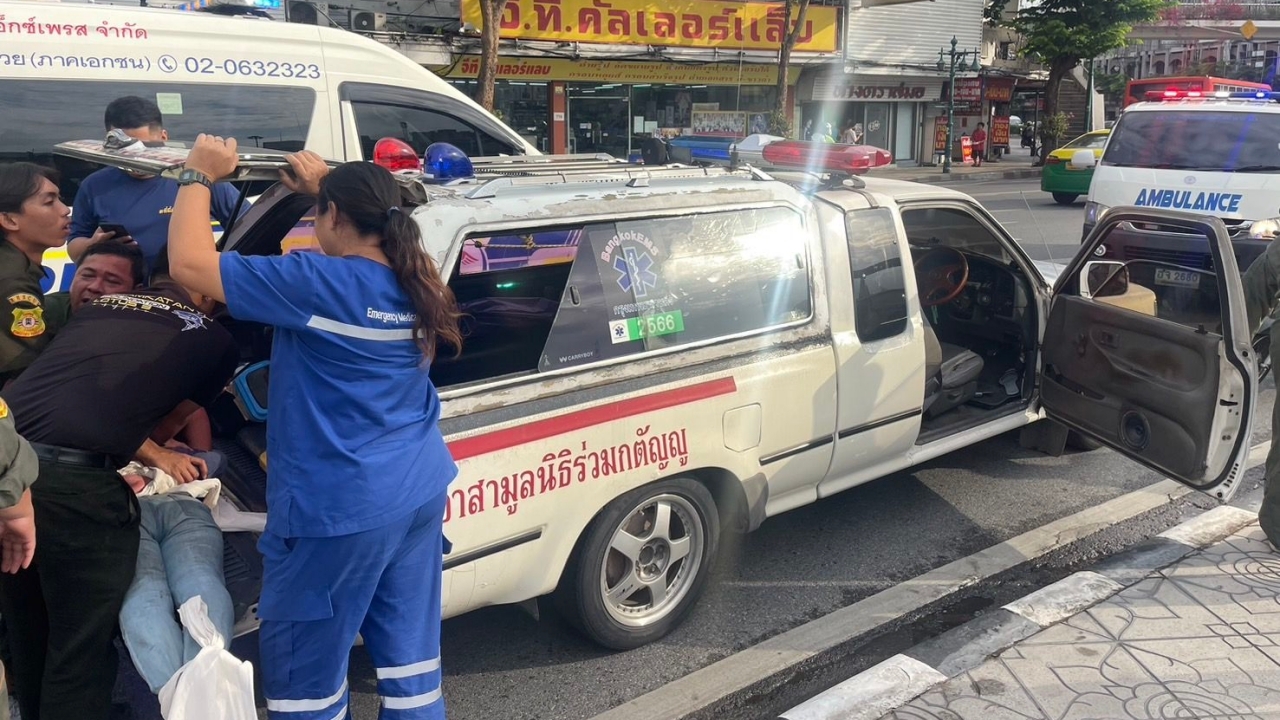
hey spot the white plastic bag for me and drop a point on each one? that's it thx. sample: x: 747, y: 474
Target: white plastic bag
x: 215, y: 685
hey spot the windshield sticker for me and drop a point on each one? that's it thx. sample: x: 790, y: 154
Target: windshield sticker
x: 646, y: 326
x: 630, y: 266
x: 1189, y: 200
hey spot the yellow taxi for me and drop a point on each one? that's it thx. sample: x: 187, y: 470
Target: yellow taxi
x: 1064, y: 180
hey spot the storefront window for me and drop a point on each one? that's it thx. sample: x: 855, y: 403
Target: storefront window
x: 521, y: 105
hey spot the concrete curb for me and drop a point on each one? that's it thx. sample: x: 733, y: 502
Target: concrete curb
x: 900, y: 679
x: 977, y: 176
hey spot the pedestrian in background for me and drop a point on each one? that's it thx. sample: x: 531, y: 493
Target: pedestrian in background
x: 358, y: 467
x: 140, y: 204
x: 979, y: 144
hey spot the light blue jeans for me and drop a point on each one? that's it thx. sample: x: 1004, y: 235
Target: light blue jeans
x: 180, y: 557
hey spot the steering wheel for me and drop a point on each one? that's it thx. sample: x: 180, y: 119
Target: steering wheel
x: 941, y: 274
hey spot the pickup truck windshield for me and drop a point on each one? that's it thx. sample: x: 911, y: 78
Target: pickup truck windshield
x: 1196, y: 140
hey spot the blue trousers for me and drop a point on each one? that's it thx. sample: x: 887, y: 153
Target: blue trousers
x: 319, y: 592
x: 179, y: 557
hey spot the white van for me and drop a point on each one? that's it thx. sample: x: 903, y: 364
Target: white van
x: 284, y: 86
x: 1214, y: 155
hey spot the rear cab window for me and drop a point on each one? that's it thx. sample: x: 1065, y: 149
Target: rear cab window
x: 552, y: 298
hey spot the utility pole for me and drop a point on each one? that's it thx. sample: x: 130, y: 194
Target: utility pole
x: 956, y: 57
x: 1088, y: 113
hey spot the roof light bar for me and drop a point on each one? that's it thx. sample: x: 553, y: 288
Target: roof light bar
x: 825, y: 157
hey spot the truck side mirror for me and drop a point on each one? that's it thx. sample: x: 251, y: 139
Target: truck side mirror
x: 1104, y: 278
x: 1083, y: 159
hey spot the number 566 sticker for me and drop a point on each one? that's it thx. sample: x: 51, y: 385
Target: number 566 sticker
x: 638, y: 328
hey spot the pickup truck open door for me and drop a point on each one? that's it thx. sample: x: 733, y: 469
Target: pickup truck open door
x: 1151, y: 355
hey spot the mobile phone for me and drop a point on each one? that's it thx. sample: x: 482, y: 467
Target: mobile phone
x: 119, y: 230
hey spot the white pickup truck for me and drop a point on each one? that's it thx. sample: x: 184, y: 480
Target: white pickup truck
x: 655, y: 356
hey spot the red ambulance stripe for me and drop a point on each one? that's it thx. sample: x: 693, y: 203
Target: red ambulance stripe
x: 543, y: 429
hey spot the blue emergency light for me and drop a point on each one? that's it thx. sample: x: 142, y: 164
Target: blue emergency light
x: 1257, y: 95
x: 443, y: 162
x: 691, y: 148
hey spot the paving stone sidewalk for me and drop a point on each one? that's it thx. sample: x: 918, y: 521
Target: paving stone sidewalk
x: 1198, y: 639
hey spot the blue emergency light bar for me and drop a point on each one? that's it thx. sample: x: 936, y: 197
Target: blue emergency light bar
x: 1257, y: 95
x: 688, y: 148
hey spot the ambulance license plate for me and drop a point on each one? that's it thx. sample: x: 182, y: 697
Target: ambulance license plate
x: 1177, y: 278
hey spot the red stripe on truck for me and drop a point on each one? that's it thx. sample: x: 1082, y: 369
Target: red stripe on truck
x: 543, y: 429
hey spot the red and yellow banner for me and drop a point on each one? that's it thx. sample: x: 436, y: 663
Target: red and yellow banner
x: 683, y: 23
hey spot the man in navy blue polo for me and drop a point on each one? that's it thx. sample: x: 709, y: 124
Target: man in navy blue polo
x: 142, y: 204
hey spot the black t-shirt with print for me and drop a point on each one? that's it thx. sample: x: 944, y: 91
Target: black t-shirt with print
x: 121, y: 364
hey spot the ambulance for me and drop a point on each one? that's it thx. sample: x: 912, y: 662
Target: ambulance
x: 656, y: 357
x: 274, y: 85
x: 1215, y: 154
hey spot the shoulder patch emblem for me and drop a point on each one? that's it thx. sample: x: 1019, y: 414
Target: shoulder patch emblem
x: 4, y: 409
x: 24, y: 299
x: 27, y: 323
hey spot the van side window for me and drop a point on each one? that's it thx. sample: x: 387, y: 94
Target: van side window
x: 556, y: 298
x: 875, y: 258
x: 41, y: 113
x: 420, y: 127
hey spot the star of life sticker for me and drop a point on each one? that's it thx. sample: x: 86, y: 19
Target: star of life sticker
x: 635, y: 271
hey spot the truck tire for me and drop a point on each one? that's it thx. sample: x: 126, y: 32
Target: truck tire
x: 1064, y: 198
x: 641, y: 564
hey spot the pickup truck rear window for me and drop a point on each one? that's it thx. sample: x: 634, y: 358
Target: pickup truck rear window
x: 552, y: 298
x: 40, y: 113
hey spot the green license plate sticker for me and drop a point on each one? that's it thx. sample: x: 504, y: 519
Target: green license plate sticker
x: 639, y: 328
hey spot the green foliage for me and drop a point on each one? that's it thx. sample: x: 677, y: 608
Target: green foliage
x: 1063, y: 32
x: 779, y: 123
x: 1053, y: 128
x: 1111, y: 85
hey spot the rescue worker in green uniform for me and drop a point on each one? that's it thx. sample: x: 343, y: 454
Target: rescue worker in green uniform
x: 18, y: 468
x: 33, y: 219
x: 1261, y: 295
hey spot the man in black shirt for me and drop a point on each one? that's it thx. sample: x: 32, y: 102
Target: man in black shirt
x: 88, y: 404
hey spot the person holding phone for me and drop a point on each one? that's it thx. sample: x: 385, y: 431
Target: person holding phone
x: 113, y: 203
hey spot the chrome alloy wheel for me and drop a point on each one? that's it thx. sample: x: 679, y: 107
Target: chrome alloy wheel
x: 653, y: 558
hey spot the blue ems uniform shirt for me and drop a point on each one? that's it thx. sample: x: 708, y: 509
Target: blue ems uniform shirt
x: 143, y: 207
x: 353, y: 441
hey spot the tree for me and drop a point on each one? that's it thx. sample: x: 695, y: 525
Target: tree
x: 778, y: 122
x: 491, y: 25
x: 1061, y: 33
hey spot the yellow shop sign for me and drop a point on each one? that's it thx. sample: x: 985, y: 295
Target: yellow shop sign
x: 622, y: 71
x: 684, y: 23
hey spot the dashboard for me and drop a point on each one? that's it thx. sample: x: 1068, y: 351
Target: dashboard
x: 991, y: 293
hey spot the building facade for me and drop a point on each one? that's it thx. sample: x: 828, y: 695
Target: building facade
x: 889, y: 81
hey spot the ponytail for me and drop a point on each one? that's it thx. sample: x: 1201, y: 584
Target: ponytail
x: 369, y: 197
x: 433, y: 301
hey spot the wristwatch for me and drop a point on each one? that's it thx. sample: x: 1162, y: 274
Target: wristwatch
x: 193, y: 177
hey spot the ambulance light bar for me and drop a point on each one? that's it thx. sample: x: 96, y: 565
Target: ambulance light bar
x: 825, y: 157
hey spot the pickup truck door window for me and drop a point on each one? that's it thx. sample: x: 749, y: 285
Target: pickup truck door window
x: 1153, y: 359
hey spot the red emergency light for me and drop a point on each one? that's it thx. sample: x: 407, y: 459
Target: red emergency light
x: 1176, y: 94
x: 396, y: 155
x: 825, y: 157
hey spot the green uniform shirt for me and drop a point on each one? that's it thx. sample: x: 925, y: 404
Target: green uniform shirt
x: 18, y: 463
x: 24, y: 328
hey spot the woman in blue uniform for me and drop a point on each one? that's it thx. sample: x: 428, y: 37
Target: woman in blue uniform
x: 358, y: 469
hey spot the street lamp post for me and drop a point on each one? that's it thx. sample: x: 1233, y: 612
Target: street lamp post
x: 956, y: 57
